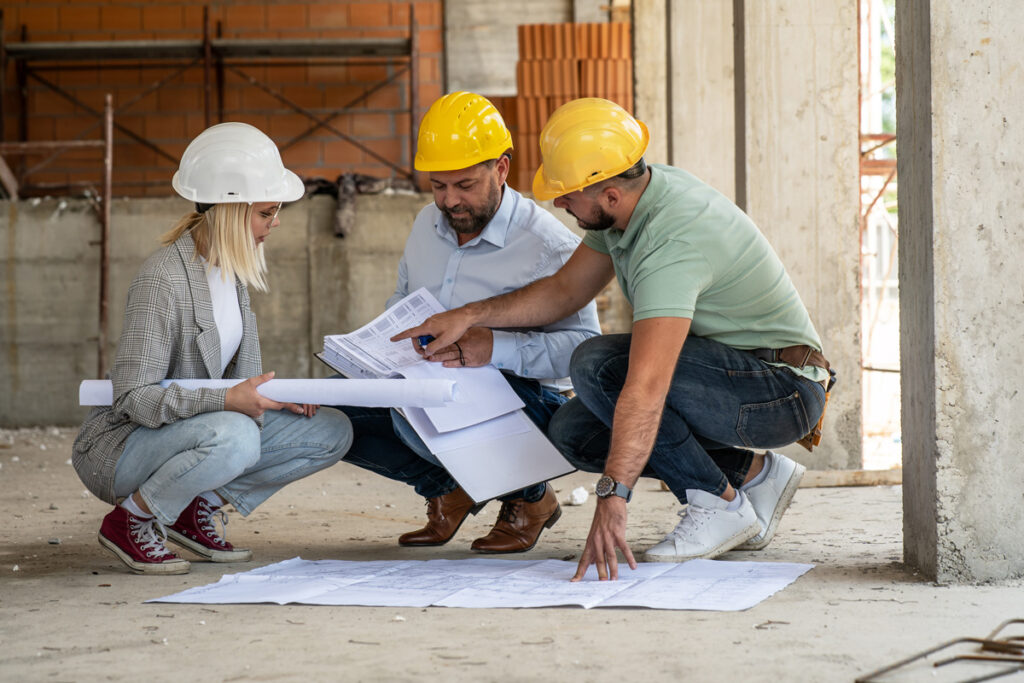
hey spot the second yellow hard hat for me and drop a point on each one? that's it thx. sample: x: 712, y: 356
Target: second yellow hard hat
x: 584, y: 142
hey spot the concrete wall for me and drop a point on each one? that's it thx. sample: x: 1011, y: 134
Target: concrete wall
x: 319, y: 284
x: 481, y: 43
x: 961, y: 286
x: 802, y: 180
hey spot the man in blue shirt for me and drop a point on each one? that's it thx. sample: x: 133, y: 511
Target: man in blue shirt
x: 479, y: 238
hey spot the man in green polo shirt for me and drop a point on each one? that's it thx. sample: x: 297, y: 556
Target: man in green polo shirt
x: 722, y: 358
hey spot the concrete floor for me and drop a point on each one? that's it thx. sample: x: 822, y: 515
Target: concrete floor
x: 70, y: 612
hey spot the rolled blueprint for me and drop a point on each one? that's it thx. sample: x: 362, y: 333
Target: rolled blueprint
x: 371, y: 393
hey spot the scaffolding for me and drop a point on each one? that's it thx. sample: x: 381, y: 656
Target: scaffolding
x: 217, y: 57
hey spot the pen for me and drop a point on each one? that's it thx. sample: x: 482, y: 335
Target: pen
x: 425, y: 339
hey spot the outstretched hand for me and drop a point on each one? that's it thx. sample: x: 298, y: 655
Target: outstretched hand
x: 473, y: 350
x: 243, y: 398
x: 607, y: 532
x: 446, y: 328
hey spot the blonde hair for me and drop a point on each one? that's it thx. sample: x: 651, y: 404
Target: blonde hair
x: 223, y: 235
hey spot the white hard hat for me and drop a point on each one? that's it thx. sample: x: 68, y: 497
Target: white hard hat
x: 234, y: 162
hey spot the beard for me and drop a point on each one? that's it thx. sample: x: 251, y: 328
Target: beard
x: 475, y: 219
x: 602, y: 221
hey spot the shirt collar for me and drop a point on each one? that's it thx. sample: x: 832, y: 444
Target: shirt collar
x: 495, y: 232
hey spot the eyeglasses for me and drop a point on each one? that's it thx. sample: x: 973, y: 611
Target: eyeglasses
x: 271, y: 213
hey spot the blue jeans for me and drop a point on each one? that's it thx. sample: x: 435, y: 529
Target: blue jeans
x: 227, y: 452
x: 387, y: 444
x: 722, y: 402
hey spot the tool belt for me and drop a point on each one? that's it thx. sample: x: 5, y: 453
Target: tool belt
x: 798, y: 357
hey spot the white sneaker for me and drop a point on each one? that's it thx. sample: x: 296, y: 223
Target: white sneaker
x: 707, y: 529
x: 772, y: 496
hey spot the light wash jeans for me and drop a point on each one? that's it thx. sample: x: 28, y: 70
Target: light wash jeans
x: 226, y: 452
x: 721, y: 403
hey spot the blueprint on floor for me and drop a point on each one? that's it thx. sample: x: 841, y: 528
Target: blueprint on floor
x: 476, y: 582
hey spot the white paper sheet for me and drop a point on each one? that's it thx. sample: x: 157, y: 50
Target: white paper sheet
x: 326, y: 392
x: 483, y: 392
x: 695, y: 585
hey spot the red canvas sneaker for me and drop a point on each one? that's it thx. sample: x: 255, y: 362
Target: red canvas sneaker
x: 196, y: 531
x: 136, y: 543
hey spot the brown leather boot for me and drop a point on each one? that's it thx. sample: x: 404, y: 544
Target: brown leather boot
x: 445, y: 514
x: 519, y: 524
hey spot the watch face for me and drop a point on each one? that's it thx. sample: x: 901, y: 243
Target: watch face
x: 604, y: 487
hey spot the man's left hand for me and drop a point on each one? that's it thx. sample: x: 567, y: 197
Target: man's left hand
x: 607, y: 532
x: 472, y: 350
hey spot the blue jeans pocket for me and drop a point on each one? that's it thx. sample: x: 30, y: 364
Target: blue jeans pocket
x: 773, y: 424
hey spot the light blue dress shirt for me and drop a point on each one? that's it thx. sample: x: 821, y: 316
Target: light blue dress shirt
x: 522, y: 243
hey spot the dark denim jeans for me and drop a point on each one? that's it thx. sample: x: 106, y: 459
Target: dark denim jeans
x: 722, y: 402
x: 385, y: 443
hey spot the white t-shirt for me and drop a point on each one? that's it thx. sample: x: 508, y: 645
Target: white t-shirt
x: 226, y: 314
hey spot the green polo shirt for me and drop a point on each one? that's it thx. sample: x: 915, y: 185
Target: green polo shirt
x: 689, y: 252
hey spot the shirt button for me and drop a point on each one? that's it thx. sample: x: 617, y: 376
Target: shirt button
x: 501, y: 365
x: 449, y: 280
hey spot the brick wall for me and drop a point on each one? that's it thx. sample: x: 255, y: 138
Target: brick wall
x: 173, y: 115
x: 558, y: 63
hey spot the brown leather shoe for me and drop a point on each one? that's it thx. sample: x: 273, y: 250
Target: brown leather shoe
x: 519, y: 524
x: 445, y: 514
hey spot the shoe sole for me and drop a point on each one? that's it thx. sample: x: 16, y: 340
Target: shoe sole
x: 203, y: 551
x: 547, y: 525
x: 472, y: 511
x: 722, y: 548
x: 161, y: 569
x: 784, y: 500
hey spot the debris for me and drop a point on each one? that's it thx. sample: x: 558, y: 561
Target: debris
x: 362, y: 642
x: 15, y: 568
x: 53, y: 507
x: 15, y: 459
x: 42, y: 446
x: 578, y: 496
x: 54, y: 541
x: 764, y: 625
x: 398, y: 617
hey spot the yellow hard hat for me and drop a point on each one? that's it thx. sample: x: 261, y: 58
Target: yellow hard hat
x: 459, y: 130
x: 584, y: 142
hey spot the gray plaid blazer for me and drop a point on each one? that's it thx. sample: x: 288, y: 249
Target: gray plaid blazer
x: 169, y: 333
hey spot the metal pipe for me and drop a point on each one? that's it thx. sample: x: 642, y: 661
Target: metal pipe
x: 108, y: 172
x: 414, y: 93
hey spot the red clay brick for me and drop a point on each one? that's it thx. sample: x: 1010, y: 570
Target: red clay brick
x: 326, y: 74
x: 306, y: 96
x: 37, y: 19
x: 241, y: 17
x: 372, y: 125
x: 390, y: 97
x: 182, y: 99
x: 399, y: 14
x: 428, y: 13
x: 164, y: 127
x: 163, y: 18
x: 367, y: 74
x: 287, y: 16
x: 364, y: 14
x: 304, y: 153
x: 120, y: 18
x: 77, y: 19
x: 429, y: 69
x: 284, y: 127
x: 333, y: 15
x: 338, y: 152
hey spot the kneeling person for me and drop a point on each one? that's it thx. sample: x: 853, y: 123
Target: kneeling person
x: 480, y: 238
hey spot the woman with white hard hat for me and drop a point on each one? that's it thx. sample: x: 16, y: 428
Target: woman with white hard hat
x: 174, y: 457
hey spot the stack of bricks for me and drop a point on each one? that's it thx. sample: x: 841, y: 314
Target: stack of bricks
x: 174, y: 114
x: 558, y: 63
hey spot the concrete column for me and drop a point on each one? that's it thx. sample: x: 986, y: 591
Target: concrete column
x: 650, y: 81
x: 702, y: 88
x: 802, y: 182
x: 961, y: 147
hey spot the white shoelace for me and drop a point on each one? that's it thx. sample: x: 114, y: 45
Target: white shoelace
x: 207, y: 525
x: 147, y: 538
x: 692, y: 517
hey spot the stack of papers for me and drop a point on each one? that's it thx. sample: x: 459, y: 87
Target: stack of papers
x: 483, y: 438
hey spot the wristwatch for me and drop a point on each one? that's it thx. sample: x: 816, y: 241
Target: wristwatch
x: 606, y: 486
